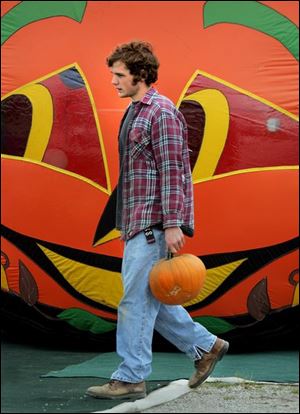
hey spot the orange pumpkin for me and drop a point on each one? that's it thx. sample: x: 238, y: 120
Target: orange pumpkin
x: 178, y: 279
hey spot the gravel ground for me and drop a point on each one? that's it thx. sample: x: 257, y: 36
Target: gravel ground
x: 220, y: 397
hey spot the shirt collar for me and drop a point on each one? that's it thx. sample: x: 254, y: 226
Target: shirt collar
x: 148, y: 97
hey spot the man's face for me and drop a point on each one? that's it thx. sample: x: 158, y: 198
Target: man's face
x: 122, y: 80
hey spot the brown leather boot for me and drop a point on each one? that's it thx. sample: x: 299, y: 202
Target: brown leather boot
x: 117, y: 390
x: 206, y: 364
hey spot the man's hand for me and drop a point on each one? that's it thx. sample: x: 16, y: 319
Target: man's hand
x: 174, y: 239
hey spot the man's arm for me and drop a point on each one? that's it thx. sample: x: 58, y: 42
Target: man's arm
x: 167, y: 142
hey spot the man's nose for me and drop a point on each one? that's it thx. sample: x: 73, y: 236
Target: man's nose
x: 114, y: 80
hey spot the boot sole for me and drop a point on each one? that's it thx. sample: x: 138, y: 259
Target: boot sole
x: 136, y: 396
x: 220, y: 356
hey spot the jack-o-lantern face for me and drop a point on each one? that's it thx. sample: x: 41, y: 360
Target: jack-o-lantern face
x: 232, y: 69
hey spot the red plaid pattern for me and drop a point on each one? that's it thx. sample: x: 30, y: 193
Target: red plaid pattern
x: 157, y: 182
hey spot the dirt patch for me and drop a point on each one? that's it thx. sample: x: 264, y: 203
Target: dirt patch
x: 218, y: 397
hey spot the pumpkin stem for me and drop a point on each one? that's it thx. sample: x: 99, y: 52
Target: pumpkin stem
x: 170, y: 255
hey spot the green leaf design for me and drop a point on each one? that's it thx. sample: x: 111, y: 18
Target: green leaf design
x: 214, y: 325
x: 85, y: 321
x: 257, y: 16
x: 28, y: 12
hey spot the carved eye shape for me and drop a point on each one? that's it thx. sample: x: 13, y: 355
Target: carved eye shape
x: 195, y: 118
x: 53, y: 120
x: 16, y: 117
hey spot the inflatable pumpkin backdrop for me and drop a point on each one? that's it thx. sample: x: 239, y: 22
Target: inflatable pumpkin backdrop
x: 232, y: 69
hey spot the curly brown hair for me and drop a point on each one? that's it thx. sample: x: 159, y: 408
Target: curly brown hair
x: 139, y: 59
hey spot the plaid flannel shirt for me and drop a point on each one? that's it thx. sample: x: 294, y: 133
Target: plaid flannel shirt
x: 157, y: 182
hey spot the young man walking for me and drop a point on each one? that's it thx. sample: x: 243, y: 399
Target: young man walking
x: 154, y: 214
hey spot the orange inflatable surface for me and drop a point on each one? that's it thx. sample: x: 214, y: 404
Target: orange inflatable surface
x: 232, y: 70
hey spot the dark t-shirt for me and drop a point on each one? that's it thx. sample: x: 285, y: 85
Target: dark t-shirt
x: 126, y: 126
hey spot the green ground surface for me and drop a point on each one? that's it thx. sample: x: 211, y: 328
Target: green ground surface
x: 274, y: 366
x: 24, y: 391
x: 25, y: 387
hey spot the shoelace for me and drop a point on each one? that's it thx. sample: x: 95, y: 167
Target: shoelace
x: 113, y: 382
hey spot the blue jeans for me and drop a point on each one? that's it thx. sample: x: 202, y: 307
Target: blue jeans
x: 139, y: 313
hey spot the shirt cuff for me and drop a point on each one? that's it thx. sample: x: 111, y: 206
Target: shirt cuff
x: 172, y: 220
